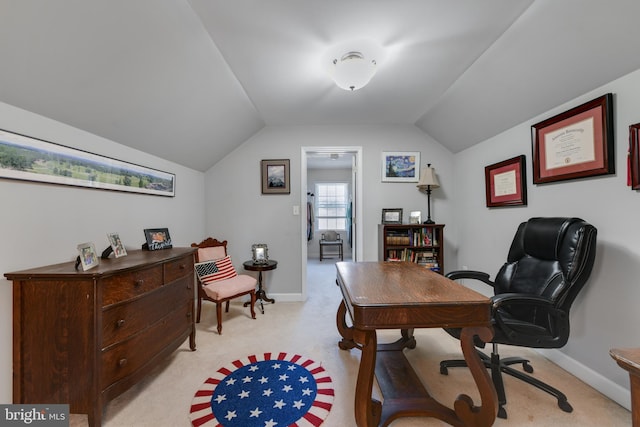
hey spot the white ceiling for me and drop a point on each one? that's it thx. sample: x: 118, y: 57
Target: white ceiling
x: 190, y: 80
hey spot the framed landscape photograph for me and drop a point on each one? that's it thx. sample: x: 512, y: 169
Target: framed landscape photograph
x: 275, y: 176
x: 392, y: 216
x: 157, y: 238
x: 400, y: 166
x: 32, y: 159
x: 575, y: 144
x: 88, y: 256
x: 506, y: 182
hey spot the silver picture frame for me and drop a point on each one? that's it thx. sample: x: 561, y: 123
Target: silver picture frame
x: 260, y: 253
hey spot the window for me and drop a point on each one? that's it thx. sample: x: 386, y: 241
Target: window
x: 332, y: 199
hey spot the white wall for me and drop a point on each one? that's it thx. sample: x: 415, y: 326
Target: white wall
x: 41, y: 224
x: 238, y: 212
x: 606, y: 313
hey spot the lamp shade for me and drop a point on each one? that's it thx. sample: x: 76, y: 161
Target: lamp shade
x: 428, y: 178
x: 353, y: 71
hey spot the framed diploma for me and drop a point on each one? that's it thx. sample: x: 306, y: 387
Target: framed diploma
x: 575, y: 144
x: 506, y: 183
x: 634, y: 156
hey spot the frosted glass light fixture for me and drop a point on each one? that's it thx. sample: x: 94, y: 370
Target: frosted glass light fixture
x: 352, y: 71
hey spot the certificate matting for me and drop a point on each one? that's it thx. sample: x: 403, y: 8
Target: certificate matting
x: 634, y: 156
x: 505, y: 183
x: 575, y: 144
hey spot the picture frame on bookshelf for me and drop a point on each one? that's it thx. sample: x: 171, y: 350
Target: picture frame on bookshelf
x: 392, y: 216
x: 415, y: 217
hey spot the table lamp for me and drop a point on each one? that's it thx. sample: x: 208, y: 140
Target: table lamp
x: 428, y: 181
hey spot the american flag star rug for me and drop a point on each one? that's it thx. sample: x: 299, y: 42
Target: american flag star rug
x: 268, y: 390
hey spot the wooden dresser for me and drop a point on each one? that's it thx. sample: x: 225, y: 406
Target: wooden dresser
x: 83, y: 338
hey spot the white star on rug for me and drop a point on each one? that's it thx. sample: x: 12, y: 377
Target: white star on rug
x: 255, y: 413
x: 279, y: 404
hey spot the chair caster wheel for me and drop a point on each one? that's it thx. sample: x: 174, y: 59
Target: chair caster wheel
x: 564, y: 405
x: 502, y: 413
x: 527, y: 368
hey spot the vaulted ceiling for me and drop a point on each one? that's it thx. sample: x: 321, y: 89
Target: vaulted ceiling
x: 190, y: 80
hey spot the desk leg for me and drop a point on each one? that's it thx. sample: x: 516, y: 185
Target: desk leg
x: 465, y: 410
x: 345, y: 331
x: 367, y: 409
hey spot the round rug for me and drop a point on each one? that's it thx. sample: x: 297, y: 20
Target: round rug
x: 265, y: 390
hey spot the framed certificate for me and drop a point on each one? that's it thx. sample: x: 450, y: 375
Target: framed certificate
x: 506, y: 183
x: 634, y: 156
x: 575, y: 144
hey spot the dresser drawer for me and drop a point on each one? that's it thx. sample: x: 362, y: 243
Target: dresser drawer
x: 123, y: 320
x: 127, y: 357
x: 128, y: 285
x: 178, y: 268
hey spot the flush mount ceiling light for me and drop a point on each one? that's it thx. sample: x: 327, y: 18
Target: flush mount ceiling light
x: 352, y: 71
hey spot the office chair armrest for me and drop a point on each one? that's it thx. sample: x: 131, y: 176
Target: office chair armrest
x: 556, y: 333
x: 469, y: 274
x: 508, y: 299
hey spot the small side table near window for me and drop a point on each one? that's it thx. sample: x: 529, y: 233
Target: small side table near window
x: 265, y: 266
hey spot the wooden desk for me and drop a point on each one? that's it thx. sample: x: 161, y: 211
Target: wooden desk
x: 629, y: 360
x: 399, y: 295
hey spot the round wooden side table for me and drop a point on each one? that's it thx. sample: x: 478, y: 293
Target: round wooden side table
x: 261, y: 294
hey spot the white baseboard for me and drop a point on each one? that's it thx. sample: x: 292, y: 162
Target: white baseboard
x: 612, y: 390
x: 286, y: 297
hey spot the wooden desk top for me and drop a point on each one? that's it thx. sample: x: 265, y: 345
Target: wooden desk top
x: 627, y: 358
x: 396, y: 295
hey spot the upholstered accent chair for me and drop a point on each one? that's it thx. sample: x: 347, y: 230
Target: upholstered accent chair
x: 218, y: 281
x: 548, y: 264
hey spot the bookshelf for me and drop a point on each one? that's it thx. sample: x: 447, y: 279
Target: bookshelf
x: 419, y: 243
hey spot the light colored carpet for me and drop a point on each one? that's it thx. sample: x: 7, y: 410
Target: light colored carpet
x: 308, y: 328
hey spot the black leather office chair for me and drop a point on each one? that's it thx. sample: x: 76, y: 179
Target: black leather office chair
x: 549, y: 262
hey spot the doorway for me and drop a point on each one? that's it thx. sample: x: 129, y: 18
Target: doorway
x: 347, y: 160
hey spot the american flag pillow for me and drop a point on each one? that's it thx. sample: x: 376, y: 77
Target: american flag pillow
x: 219, y: 269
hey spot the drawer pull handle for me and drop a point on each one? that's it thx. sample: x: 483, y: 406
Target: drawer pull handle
x: 182, y: 266
x: 122, y: 362
x: 188, y: 315
x: 138, y: 283
x: 120, y: 323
